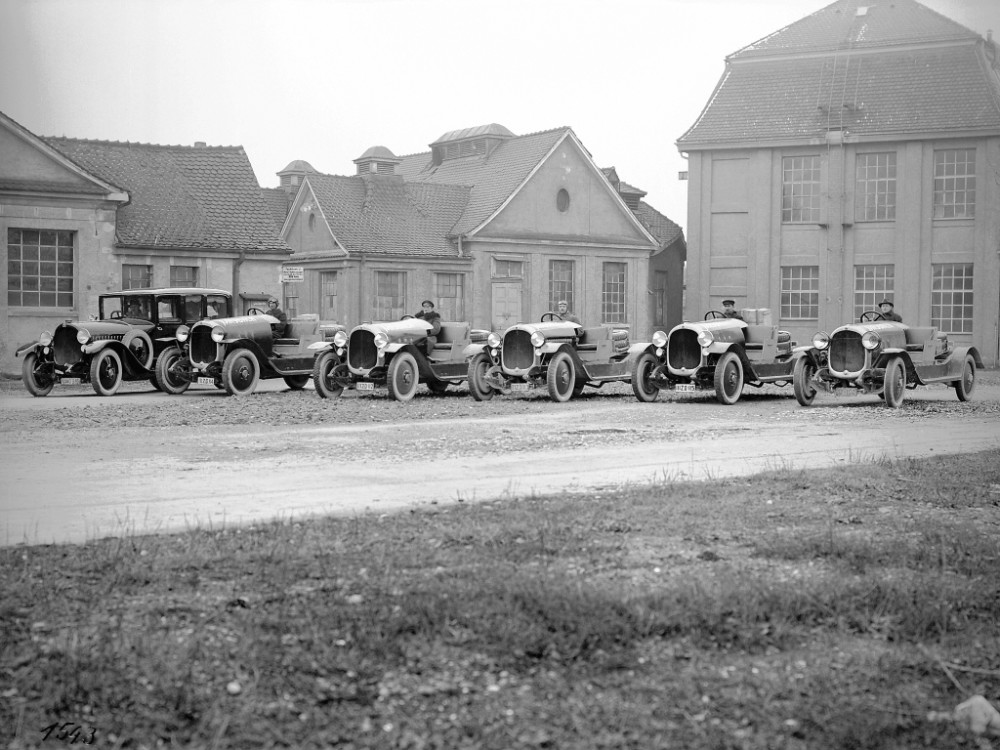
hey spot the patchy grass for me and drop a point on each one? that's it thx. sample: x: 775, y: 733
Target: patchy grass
x: 796, y: 609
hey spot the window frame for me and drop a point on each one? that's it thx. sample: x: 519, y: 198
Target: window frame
x: 875, y: 186
x: 797, y: 191
x: 948, y: 181
x: 614, y: 292
x: 882, y: 285
x: 145, y: 274
x: 560, y: 287
x: 46, y: 280
x: 445, y: 290
x: 396, y: 308
x: 791, y: 302
x: 959, y: 298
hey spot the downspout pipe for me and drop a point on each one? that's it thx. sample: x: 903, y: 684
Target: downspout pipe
x: 236, y: 274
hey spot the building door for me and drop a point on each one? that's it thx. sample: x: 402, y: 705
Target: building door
x: 506, y: 304
x: 659, y: 299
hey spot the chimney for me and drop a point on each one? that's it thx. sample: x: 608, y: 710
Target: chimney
x: 200, y: 144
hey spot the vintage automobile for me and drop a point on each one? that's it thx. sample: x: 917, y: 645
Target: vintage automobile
x: 717, y: 353
x: 126, y: 340
x: 393, y: 355
x: 235, y: 353
x: 558, y: 355
x: 883, y: 357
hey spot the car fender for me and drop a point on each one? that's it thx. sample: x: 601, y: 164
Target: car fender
x: 473, y: 349
x: 637, y: 350
x: 961, y: 352
x: 37, y: 345
x: 551, y: 347
x: 133, y: 366
x: 318, y: 347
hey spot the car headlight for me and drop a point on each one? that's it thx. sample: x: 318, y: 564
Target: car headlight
x: 45, y: 339
x: 659, y: 339
x: 871, y: 340
x: 218, y: 334
x: 821, y: 340
x: 381, y: 340
x: 705, y: 338
x: 493, y: 341
x: 537, y: 339
x: 340, y: 339
x: 182, y: 333
x: 83, y: 335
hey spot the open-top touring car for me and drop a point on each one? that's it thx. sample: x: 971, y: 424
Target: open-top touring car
x: 885, y: 358
x: 236, y: 353
x: 394, y: 356
x: 130, y: 334
x: 717, y: 353
x: 558, y: 355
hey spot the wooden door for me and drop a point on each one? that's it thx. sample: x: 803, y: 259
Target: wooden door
x: 506, y: 304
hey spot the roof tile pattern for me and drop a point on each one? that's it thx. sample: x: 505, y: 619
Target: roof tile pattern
x: 278, y: 202
x: 181, y: 196
x: 383, y: 214
x: 663, y: 229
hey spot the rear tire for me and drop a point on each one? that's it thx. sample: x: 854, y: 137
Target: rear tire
x: 561, y: 377
x: 240, y: 373
x: 323, y: 370
x: 895, y: 383
x: 403, y: 376
x: 728, y: 379
x: 296, y: 382
x: 479, y: 389
x: 106, y: 372
x: 641, y: 387
x: 36, y: 383
x: 802, y: 375
x: 965, y: 386
x: 167, y: 378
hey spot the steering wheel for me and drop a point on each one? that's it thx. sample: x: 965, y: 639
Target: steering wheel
x: 713, y: 314
x: 255, y: 311
x: 115, y: 314
x: 871, y: 316
x: 551, y: 316
x: 409, y: 317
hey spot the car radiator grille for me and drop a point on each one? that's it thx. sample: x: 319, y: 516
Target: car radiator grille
x: 846, y: 352
x: 517, y: 352
x: 65, y: 347
x: 683, y: 349
x: 361, y: 351
x: 203, y: 349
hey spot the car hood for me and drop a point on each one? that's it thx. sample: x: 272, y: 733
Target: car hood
x: 725, y: 330
x: 398, y: 328
x: 549, y: 329
x: 107, y: 327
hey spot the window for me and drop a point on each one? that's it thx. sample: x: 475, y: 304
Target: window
x: 800, y: 189
x: 561, y: 283
x: 328, y: 295
x: 449, y: 289
x: 562, y: 200
x: 508, y: 269
x: 955, y: 183
x: 800, y: 292
x: 390, y: 295
x: 872, y: 284
x: 183, y: 275
x: 876, y: 187
x: 951, y: 297
x: 136, y: 277
x: 613, y: 294
x: 39, y: 268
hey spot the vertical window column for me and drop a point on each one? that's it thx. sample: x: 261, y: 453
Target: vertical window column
x: 614, y: 293
x: 800, y: 292
x: 951, y: 297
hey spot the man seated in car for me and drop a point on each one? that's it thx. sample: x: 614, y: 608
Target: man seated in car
x: 562, y: 307
x: 432, y: 316
x: 888, y: 313
x: 277, y: 329
x: 729, y: 309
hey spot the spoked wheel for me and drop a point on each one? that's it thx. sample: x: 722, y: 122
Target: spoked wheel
x: 642, y: 372
x: 479, y: 389
x: 324, y: 374
x: 240, y: 373
x: 728, y: 379
x: 895, y: 383
x: 36, y: 379
x: 106, y: 372
x: 403, y: 376
x: 296, y: 382
x: 802, y: 375
x: 561, y: 377
x: 172, y: 372
x: 965, y: 386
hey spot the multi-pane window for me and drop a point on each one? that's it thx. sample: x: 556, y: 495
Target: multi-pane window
x: 328, y: 295
x: 955, y: 183
x: 449, y: 290
x: 508, y: 269
x: 136, y: 277
x: 872, y: 284
x: 876, y: 187
x: 799, y: 292
x: 951, y: 297
x: 800, y: 189
x: 613, y: 293
x: 390, y: 295
x: 561, y: 283
x: 183, y: 275
x: 39, y: 268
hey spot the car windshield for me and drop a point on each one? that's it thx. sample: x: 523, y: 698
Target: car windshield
x: 114, y: 306
x: 219, y: 306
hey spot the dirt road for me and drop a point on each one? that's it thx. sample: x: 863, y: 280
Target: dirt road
x: 78, y: 466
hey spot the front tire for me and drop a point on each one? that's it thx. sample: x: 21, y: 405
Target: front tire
x: 802, y: 375
x: 167, y: 378
x: 37, y: 383
x: 403, y: 376
x: 965, y: 386
x: 106, y: 372
x: 323, y: 369
x: 895, y: 383
x: 728, y: 379
x: 561, y: 377
x: 479, y: 389
x: 641, y: 370
x: 296, y: 382
x: 240, y: 373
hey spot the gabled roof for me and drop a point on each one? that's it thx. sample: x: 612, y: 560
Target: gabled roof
x: 899, y: 69
x: 384, y: 215
x: 492, y: 177
x: 663, y: 229
x: 181, y: 196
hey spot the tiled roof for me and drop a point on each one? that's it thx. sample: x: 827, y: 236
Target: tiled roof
x: 52, y: 186
x: 493, y: 129
x: 492, y: 177
x: 383, y: 214
x: 859, y: 24
x: 181, y: 196
x: 663, y: 229
x: 277, y: 201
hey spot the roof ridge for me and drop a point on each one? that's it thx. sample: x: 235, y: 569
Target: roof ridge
x: 103, y: 142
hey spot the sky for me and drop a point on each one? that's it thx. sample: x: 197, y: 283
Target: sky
x: 324, y: 80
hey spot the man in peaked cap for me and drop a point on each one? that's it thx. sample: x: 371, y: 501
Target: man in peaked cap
x: 888, y: 313
x: 729, y: 309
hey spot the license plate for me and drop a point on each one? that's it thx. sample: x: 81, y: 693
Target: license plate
x: 519, y: 386
x: 70, y: 381
x: 684, y: 388
x: 206, y: 381
x: 366, y: 386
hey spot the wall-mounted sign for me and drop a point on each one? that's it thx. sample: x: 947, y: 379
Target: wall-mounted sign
x: 291, y: 274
